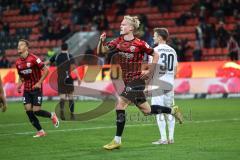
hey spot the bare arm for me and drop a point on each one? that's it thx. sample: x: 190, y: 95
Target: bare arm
x: 19, y: 84
x: 47, y: 62
x: 154, y: 61
x: 44, y: 75
x: 175, y: 71
x: 2, y: 97
x: 101, y: 48
x: 149, y: 69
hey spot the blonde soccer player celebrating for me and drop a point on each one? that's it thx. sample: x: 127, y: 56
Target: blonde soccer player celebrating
x: 130, y: 52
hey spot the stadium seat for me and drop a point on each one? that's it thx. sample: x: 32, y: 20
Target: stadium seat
x: 225, y: 51
x: 218, y: 51
x: 211, y: 51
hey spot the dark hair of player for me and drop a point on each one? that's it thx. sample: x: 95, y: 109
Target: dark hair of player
x: 64, y: 46
x: 163, y: 32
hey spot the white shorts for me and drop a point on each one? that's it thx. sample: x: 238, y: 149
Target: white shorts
x: 164, y: 99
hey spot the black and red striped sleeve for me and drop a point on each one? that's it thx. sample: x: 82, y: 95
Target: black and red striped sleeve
x: 147, y: 49
x: 37, y: 61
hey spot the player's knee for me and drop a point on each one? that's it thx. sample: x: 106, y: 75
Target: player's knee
x: 28, y: 108
x: 170, y: 117
x: 120, y: 107
x: 146, y: 111
x: 36, y: 110
x: 62, y: 96
x: 161, y: 117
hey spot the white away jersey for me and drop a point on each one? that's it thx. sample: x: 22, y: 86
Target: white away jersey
x: 167, y: 62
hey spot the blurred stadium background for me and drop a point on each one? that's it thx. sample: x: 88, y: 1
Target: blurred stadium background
x: 206, y: 36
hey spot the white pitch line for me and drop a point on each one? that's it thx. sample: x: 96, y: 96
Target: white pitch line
x: 26, y: 123
x: 45, y: 122
x: 109, y: 127
x: 17, y: 124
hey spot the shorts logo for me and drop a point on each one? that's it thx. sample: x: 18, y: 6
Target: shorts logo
x: 39, y: 99
x: 132, y: 48
x: 128, y: 89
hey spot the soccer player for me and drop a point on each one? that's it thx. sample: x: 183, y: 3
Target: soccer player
x: 30, y: 69
x: 65, y: 64
x: 2, y: 97
x: 166, y: 72
x: 130, y: 52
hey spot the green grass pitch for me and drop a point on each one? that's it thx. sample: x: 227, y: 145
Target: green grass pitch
x: 210, y: 132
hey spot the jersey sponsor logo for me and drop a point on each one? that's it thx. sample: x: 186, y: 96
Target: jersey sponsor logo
x: 126, y: 55
x: 132, y: 48
x: 38, y: 60
x: 26, y: 71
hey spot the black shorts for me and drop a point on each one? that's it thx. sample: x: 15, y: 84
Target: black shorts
x: 133, y: 91
x: 65, y: 86
x: 33, y: 97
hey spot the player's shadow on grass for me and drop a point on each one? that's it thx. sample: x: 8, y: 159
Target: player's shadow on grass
x: 107, y: 105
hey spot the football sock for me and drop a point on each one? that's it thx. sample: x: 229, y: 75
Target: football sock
x: 162, y: 126
x: 62, y: 101
x: 157, y: 109
x: 71, y: 105
x: 117, y: 139
x: 33, y: 119
x: 120, y: 122
x: 43, y: 113
x: 171, y: 126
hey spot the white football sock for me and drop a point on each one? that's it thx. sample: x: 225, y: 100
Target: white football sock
x: 162, y: 126
x: 117, y: 139
x: 171, y: 126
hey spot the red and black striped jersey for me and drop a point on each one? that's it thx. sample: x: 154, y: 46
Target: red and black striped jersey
x: 129, y: 55
x: 29, y: 69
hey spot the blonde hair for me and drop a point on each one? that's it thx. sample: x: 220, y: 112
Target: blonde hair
x: 133, y: 20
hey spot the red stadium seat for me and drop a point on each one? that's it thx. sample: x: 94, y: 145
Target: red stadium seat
x: 211, y: 51
x: 218, y: 51
x: 44, y: 50
x: 59, y: 42
x: 225, y: 51
x: 53, y: 43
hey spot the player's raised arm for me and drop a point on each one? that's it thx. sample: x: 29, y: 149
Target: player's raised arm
x: 101, y: 48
